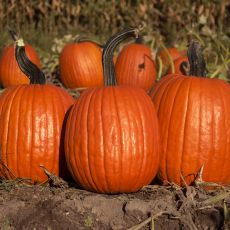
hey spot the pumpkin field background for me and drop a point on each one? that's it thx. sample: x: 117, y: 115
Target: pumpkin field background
x: 48, y: 26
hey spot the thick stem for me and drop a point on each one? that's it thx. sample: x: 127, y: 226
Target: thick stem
x: 35, y: 75
x: 139, y: 40
x: 196, y: 60
x: 80, y: 39
x: 13, y: 34
x: 107, y: 55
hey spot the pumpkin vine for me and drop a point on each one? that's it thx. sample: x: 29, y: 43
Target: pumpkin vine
x: 35, y: 75
x: 107, y: 55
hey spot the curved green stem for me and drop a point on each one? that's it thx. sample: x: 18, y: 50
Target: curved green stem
x: 107, y: 55
x: 35, y: 75
x: 169, y: 57
x: 160, y: 68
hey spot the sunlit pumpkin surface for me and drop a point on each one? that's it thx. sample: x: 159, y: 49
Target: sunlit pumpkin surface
x: 81, y: 65
x: 31, y: 120
x: 194, y: 117
x: 112, y: 139
x: 135, y: 66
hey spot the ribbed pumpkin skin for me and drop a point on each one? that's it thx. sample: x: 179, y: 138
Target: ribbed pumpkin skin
x: 177, y: 65
x: 10, y: 73
x: 81, y: 65
x: 135, y: 66
x: 31, y: 119
x: 194, y: 118
x: 112, y: 139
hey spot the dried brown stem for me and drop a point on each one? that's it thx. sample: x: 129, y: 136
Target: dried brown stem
x: 150, y: 219
x: 54, y: 180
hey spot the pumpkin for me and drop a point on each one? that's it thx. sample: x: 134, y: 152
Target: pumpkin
x: 135, y: 66
x: 31, y: 125
x: 112, y: 136
x: 181, y: 66
x: 77, y: 63
x: 163, y: 54
x: 10, y: 74
x: 194, y: 118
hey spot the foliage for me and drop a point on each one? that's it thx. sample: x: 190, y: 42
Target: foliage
x: 171, y: 22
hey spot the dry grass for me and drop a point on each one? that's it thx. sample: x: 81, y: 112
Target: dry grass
x: 101, y: 17
x: 167, y: 21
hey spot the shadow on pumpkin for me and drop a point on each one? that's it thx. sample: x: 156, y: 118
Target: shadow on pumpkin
x: 64, y: 172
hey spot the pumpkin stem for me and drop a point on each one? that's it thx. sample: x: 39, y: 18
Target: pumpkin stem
x: 139, y: 40
x: 35, y: 75
x: 80, y: 39
x: 196, y: 60
x: 13, y: 34
x: 109, y: 47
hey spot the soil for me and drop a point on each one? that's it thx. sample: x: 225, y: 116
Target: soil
x: 65, y: 206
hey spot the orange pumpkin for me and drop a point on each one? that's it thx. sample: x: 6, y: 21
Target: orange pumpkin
x: 112, y: 139
x: 165, y: 59
x: 31, y: 121
x: 10, y: 74
x: 135, y: 66
x: 181, y: 66
x: 194, y: 117
x: 81, y: 65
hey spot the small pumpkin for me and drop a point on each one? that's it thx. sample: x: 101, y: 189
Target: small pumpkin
x: 166, y: 54
x: 135, y: 66
x: 194, y: 117
x: 112, y: 138
x: 10, y: 73
x: 77, y: 63
x: 181, y: 66
x: 31, y: 125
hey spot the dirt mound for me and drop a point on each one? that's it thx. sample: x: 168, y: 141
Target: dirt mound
x: 166, y: 207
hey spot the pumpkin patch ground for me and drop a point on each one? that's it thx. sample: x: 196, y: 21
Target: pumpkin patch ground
x: 67, y: 207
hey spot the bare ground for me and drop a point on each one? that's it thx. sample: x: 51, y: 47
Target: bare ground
x: 65, y: 206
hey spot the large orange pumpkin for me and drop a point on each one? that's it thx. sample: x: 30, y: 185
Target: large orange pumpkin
x: 31, y: 122
x: 194, y: 117
x: 10, y: 74
x: 81, y: 65
x: 135, y: 66
x: 112, y: 138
